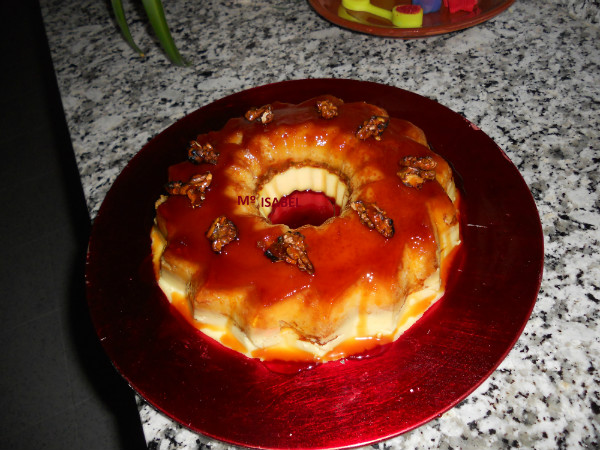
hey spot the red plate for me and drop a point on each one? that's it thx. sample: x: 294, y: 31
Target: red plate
x: 440, y: 22
x: 436, y: 364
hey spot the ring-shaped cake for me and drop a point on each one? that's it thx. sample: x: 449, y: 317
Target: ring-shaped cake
x: 312, y: 293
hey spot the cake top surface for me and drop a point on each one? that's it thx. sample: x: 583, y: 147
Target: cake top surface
x: 343, y: 249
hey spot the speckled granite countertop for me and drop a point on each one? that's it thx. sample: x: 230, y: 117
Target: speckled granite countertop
x: 529, y: 78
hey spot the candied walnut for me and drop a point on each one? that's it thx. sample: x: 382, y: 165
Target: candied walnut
x: 411, y: 177
x: 194, y: 189
x: 414, y: 171
x: 264, y: 114
x: 290, y: 247
x: 327, y: 109
x: 198, y: 153
x: 421, y: 163
x: 221, y: 232
x: 374, y: 218
x: 374, y: 127
x: 450, y: 219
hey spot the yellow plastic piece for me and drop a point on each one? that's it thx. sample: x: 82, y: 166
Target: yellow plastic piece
x: 366, y: 6
x: 407, y: 20
x: 343, y: 13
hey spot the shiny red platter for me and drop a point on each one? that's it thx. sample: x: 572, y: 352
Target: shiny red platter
x: 435, y: 23
x: 436, y: 364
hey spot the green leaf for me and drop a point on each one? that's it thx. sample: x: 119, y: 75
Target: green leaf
x: 120, y: 16
x: 156, y: 14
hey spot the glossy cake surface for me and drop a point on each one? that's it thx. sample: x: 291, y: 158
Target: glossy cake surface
x: 314, y: 293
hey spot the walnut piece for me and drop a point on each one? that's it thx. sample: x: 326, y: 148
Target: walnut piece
x: 374, y: 127
x: 194, y: 189
x: 221, y: 232
x: 414, y: 171
x: 374, y: 218
x: 422, y: 163
x: 264, y: 114
x: 290, y: 247
x: 198, y: 153
x: 327, y: 109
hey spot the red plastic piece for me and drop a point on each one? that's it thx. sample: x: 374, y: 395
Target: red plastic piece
x: 408, y: 9
x: 460, y: 5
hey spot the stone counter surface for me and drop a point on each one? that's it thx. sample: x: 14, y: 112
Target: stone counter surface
x: 529, y: 78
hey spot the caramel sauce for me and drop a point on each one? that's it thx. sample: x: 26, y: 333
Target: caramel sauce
x: 182, y: 305
x: 449, y: 263
x: 229, y: 340
x: 356, y: 346
x: 342, y: 250
x: 415, y: 311
x: 283, y: 354
x: 210, y: 327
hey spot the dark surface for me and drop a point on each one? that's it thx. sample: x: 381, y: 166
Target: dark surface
x: 58, y: 389
x: 455, y: 346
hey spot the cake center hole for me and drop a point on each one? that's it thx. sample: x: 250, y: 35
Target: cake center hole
x: 302, y: 196
x: 303, y: 208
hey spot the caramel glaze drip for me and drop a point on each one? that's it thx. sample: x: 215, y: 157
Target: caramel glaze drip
x: 342, y: 250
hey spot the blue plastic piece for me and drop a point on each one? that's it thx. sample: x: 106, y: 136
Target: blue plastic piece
x: 428, y: 5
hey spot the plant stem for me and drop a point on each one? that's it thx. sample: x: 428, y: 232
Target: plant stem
x: 122, y: 22
x: 156, y: 14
